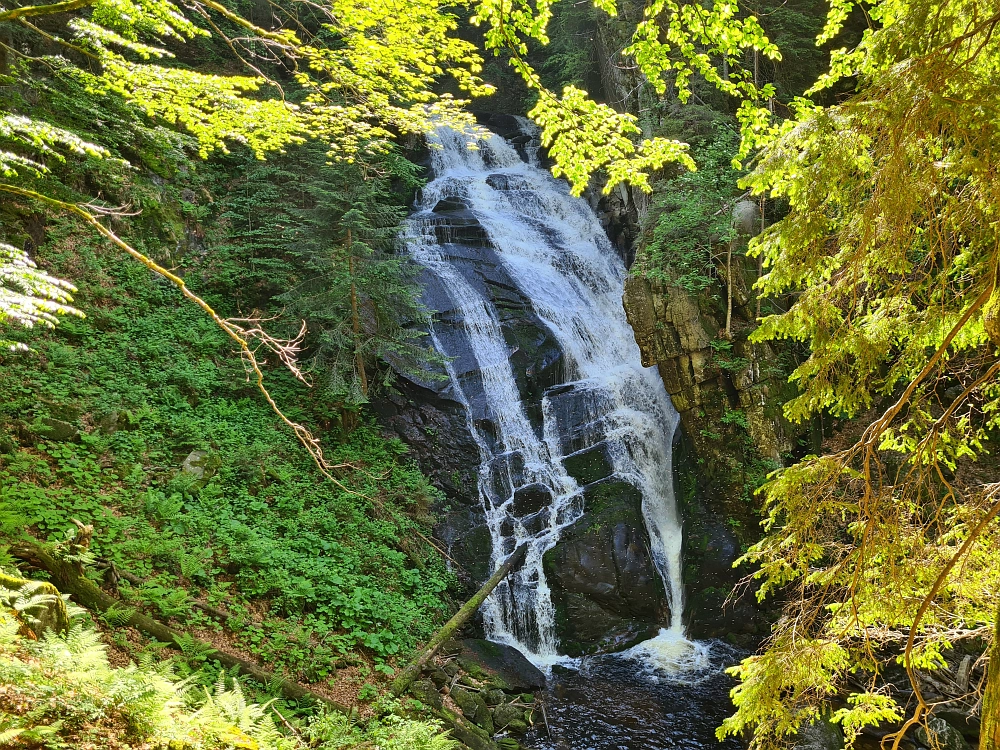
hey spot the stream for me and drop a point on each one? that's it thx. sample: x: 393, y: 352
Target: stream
x: 496, y: 233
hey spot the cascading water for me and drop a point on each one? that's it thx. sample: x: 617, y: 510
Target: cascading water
x: 553, y: 248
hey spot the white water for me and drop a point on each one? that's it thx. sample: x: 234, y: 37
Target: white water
x: 554, y: 249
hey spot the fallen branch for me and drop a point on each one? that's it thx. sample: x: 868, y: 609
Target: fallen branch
x: 410, y: 672
x: 87, y: 594
x: 135, y: 580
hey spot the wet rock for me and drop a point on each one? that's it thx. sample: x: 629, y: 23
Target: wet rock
x: 590, y: 465
x: 518, y: 726
x: 605, y: 586
x: 942, y: 736
x: 494, y: 697
x: 426, y: 692
x: 823, y: 735
x: 461, y: 230
x: 531, y: 499
x: 505, y: 714
x: 506, y: 663
x: 506, y: 182
x: 450, y: 203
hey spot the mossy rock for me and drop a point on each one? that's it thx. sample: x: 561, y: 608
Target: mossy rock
x: 426, y: 692
x: 51, y: 615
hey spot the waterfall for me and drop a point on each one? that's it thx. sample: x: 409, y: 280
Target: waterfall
x: 554, y: 250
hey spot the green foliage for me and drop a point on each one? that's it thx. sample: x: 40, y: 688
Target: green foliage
x: 691, y: 215
x: 673, y: 42
x: 147, y: 380
x: 335, y: 731
x: 29, y: 297
x: 889, y: 258
x: 60, y: 691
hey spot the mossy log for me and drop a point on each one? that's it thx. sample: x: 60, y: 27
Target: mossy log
x: 989, y: 733
x: 85, y: 593
x: 410, y: 672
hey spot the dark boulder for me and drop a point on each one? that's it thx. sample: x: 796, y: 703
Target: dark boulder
x: 450, y: 203
x: 590, y: 465
x: 506, y: 663
x: 942, y: 735
x: 607, y: 591
x: 531, y: 499
x: 426, y: 692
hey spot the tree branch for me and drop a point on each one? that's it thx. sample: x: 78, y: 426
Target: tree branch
x: 234, y: 332
x: 29, y: 11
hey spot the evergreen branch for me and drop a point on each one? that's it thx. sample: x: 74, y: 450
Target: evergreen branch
x: 309, y: 441
x: 922, y: 706
x: 30, y: 11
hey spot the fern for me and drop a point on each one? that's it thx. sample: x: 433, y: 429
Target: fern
x: 116, y: 616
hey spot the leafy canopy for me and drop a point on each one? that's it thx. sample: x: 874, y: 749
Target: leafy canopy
x: 889, y: 253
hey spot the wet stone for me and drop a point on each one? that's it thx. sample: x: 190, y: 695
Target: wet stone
x: 505, y: 714
x: 590, y: 465
x: 450, y: 203
x: 531, y: 499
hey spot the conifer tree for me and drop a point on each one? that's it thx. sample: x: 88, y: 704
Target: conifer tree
x: 888, y: 255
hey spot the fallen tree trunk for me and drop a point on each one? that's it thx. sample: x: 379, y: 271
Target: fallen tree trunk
x: 69, y: 581
x: 116, y: 573
x: 410, y: 672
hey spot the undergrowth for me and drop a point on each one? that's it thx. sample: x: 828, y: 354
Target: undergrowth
x: 98, y: 421
x: 60, y: 691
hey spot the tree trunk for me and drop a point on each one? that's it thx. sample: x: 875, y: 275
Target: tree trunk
x: 359, y: 360
x: 729, y: 291
x: 87, y: 594
x: 409, y: 674
x: 989, y: 733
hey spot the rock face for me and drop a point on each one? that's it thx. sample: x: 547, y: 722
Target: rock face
x: 606, y: 589
x: 728, y: 392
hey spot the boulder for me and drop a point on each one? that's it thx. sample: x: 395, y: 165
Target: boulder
x: 505, y: 662
x: 50, y: 614
x: 607, y: 591
x: 589, y: 465
x: 200, y: 466
x: 426, y: 692
x: 823, y: 735
x: 940, y: 735
x: 474, y: 708
x: 505, y: 714
x: 49, y: 428
x: 531, y: 499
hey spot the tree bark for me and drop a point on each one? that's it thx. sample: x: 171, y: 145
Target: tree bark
x: 355, y: 320
x: 410, y: 672
x: 87, y: 594
x: 989, y: 733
